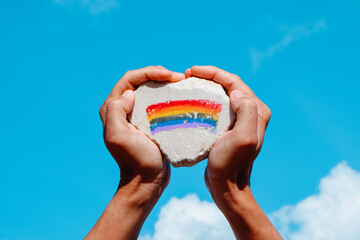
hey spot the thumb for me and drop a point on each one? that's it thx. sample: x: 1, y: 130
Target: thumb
x: 128, y: 100
x: 117, y: 109
x: 244, y: 133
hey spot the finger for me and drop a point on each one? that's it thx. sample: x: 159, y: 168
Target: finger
x: 116, y: 113
x: 228, y: 80
x: 167, y: 172
x: 188, y: 73
x: 160, y: 67
x: 232, y: 82
x: 240, y: 102
x: 262, y: 125
x: 133, y: 78
x: 244, y: 134
x: 206, y: 177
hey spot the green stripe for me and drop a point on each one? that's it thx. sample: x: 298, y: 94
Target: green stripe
x: 180, y: 116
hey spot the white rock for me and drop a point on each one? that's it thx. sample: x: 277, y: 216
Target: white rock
x: 184, y: 118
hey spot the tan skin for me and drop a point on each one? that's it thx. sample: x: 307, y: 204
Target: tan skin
x: 145, y: 173
x: 230, y: 161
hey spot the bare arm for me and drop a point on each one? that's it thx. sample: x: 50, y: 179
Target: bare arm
x: 230, y: 161
x: 144, y: 173
x: 127, y: 211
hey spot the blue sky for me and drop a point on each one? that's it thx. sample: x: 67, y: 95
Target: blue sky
x: 59, y: 59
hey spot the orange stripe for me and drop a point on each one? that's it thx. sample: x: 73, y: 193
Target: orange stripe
x: 174, y: 110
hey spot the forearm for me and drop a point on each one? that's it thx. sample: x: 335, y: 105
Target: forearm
x: 126, y: 212
x: 245, y: 216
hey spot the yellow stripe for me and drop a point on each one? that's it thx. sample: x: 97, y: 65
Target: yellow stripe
x: 165, y: 113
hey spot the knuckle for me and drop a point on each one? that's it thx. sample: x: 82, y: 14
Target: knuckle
x: 247, y: 143
x: 115, y: 109
x: 217, y: 170
x: 236, y: 77
x: 114, y: 139
x: 150, y: 68
x: 110, y: 139
x: 128, y: 73
x: 213, y: 68
x: 247, y: 103
x: 267, y: 113
x: 104, y: 106
x: 112, y: 104
x: 102, y: 110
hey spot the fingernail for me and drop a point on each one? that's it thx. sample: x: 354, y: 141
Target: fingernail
x: 237, y: 94
x: 177, y: 75
x: 127, y: 93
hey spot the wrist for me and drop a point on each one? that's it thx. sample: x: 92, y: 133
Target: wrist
x: 228, y: 194
x: 139, y: 192
x: 230, y: 181
x: 230, y: 188
x: 233, y: 199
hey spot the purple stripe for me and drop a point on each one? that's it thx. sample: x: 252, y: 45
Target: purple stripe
x: 184, y: 125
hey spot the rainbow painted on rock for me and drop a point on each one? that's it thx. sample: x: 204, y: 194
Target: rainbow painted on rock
x: 183, y: 114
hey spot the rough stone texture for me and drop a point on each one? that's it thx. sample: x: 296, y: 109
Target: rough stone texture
x: 184, y: 118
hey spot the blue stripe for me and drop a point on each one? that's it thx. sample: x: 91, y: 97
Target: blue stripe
x: 181, y: 121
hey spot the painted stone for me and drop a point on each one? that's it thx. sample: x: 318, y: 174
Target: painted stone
x: 184, y: 118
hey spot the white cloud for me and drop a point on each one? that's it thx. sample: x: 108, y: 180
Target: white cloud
x: 292, y: 34
x: 191, y: 219
x: 333, y: 213
x: 94, y: 7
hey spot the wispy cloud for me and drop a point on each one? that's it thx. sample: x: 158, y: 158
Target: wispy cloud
x: 333, y: 213
x: 94, y: 7
x: 292, y: 34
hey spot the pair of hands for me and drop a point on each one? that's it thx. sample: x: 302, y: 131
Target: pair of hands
x: 145, y: 173
x: 140, y: 159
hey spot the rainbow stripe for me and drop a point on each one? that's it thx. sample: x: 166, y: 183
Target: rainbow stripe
x: 183, y: 114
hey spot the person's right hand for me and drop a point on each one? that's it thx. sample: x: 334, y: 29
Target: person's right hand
x: 231, y: 158
x: 230, y: 161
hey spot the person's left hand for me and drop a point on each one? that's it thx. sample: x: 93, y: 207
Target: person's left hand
x: 139, y: 158
x: 144, y: 172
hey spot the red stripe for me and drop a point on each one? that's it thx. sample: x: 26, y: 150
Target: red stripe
x: 199, y: 103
